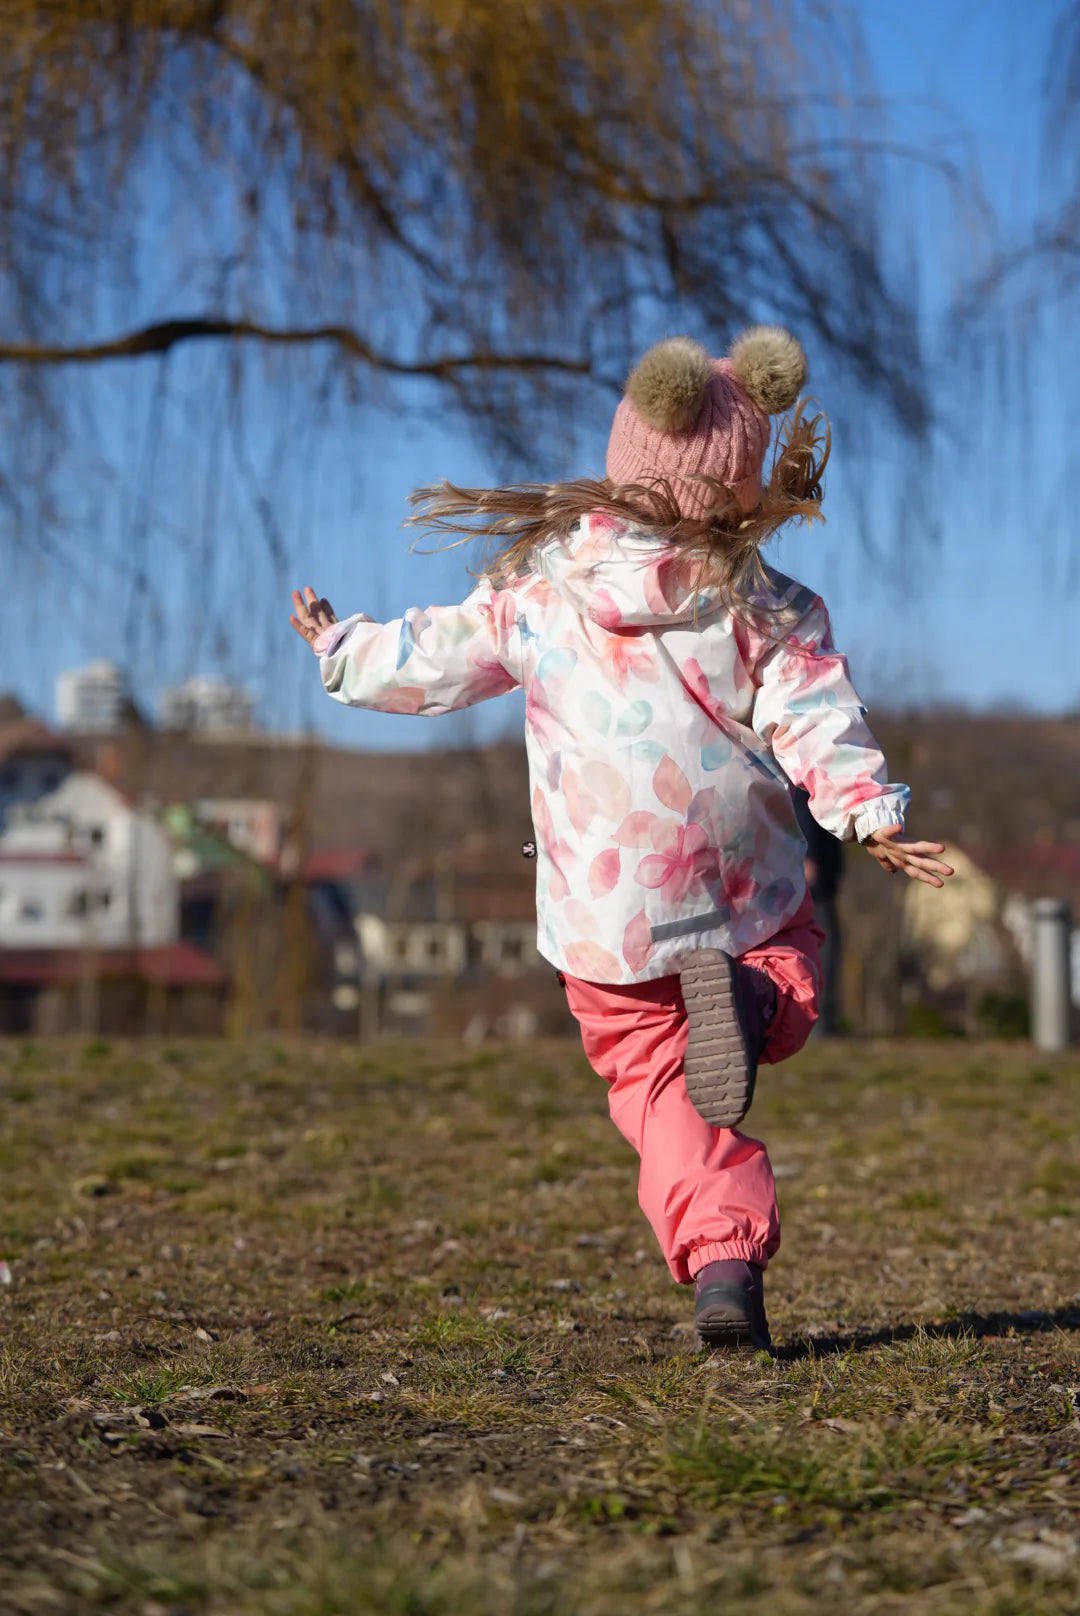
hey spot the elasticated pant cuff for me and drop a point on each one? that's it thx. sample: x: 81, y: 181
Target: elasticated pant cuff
x: 718, y: 1250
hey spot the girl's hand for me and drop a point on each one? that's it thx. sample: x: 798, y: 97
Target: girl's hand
x: 312, y: 614
x: 911, y: 857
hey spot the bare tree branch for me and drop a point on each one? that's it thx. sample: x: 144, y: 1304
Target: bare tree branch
x: 495, y: 205
x: 163, y: 335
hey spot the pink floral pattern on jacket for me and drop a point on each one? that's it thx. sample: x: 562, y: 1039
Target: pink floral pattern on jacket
x: 662, y: 741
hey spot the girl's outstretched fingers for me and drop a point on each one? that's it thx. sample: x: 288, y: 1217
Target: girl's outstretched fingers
x: 312, y: 613
x: 916, y: 859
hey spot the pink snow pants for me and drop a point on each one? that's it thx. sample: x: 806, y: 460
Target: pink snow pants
x: 708, y: 1192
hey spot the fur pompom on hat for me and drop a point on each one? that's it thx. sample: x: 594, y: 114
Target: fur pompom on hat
x: 686, y: 415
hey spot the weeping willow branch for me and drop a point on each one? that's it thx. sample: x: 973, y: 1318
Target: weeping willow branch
x: 164, y: 335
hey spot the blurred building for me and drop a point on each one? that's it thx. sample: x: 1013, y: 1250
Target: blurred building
x: 81, y: 867
x: 207, y: 705
x: 89, y: 903
x: 250, y: 824
x: 281, y: 928
x: 449, y: 946
x: 92, y: 700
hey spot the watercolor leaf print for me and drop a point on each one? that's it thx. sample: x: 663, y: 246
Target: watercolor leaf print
x: 714, y: 754
x: 702, y: 805
x: 403, y: 699
x: 649, y: 752
x: 637, y: 945
x: 597, y: 710
x: 610, y: 791
x: 581, y: 917
x: 604, y: 872
x: 635, y: 718
x: 556, y: 664
x: 671, y: 785
x: 593, y: 963
x: 604, y: 610
x: 554, y: 771
x: 580, y: 802
x: 636, y: 828
x: 558, y: 853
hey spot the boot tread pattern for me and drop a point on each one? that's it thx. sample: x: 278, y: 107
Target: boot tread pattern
x: 719, y: 1067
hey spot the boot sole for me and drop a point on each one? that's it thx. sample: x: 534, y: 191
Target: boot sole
x: 732, y: 1335
x: 724, y: 1334
x: 720, y: 1069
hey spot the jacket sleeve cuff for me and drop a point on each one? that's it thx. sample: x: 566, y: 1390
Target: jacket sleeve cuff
x: 879, y: 812
x: 331, y: 638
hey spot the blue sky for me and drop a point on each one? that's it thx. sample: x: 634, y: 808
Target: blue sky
x: 976, y: 605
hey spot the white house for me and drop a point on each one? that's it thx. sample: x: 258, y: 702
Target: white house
x: 412, y: 948
x: 81, y: 867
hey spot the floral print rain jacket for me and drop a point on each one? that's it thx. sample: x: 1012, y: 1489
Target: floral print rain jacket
x: 660, y: 747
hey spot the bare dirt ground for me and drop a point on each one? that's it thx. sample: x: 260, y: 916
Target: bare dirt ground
x: 336, y: 1330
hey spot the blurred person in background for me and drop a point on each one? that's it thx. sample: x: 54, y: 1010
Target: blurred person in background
x: 824, y: 871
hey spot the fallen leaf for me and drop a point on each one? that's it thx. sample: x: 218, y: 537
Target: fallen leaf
x: 503, y: 1495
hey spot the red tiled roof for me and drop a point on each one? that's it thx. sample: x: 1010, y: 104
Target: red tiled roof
x: 1038, y: 869
x: 31, y: 735
x: 30, y: 857
x: 174, y: 965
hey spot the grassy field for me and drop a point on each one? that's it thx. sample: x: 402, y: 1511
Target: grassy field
x: 336, y: 1330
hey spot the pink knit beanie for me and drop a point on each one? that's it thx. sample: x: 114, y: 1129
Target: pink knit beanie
x: 685, y: 413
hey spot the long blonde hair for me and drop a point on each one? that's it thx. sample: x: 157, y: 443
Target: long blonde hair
x: 727, y: 540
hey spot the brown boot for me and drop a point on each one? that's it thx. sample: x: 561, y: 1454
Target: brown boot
x: 729, y: 1305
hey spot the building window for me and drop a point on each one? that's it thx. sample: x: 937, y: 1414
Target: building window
x: 32, y: 909
x: 434, y: 948
x: 78, y: 904
x: 97, y: 835
x: 401, y: 946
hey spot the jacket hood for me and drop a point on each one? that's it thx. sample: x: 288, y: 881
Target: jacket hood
x: 624, y: 577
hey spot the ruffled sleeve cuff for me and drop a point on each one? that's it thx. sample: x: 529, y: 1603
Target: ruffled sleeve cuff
x: 879, y: 812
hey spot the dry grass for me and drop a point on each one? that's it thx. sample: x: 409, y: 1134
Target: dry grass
x: 382, y: 1330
